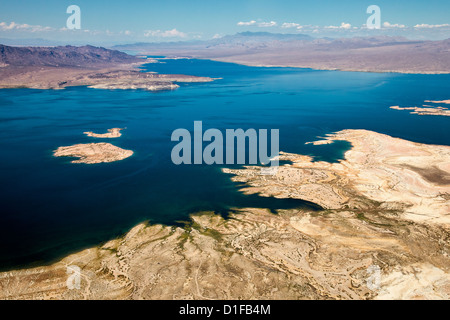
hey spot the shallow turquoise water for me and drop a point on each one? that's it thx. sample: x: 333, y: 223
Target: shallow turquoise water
x: 51, y: 207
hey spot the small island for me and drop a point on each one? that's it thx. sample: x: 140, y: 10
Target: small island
x: 427, y: 110
x: 112, y: 133
x: 92, y: 153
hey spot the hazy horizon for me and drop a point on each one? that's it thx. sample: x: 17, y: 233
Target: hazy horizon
x: 110, y: 23
x: 36, y: 42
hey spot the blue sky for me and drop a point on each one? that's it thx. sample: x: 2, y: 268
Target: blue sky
x: 173, y: 20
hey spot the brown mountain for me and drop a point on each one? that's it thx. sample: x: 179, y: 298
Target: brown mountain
x: 372, y: 54
x: 67, y: 56
x: 61, y: 67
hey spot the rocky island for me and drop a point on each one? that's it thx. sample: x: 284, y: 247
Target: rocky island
x: 112, y: 133
x: 385, y: 207
x: 92, y: 153
x: 428, y: 110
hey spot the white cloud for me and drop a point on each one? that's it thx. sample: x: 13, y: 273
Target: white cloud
x: 216, y: 36
x: 343, y: 25
x: 429, y: 26
x: 288, y: 25
x: 23, y: 27
x: 261, y: 24
x: 267, y: 24
x: 390, y: 25
x: 174, y: 33
x: 249, y: 23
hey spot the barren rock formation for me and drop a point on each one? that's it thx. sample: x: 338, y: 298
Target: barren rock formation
x: 64, y: 56
x: 442, y: 101
x: 379, y: 172
x: 112, y: 133
x: 387, y: 212
x: 253, y: 255
x: 61, y: 67
x: 93, y: 153
x: 428, y: 110
x: 113, y: 78
x: 138, y: 80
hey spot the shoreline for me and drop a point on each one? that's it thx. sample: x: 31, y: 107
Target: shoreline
x: 129, y: 76
x: 157, y: 261
x: 262, y: 65
x: 121, y: 76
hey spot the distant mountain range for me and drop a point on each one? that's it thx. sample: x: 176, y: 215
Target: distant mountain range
x: 247, y: 39
x: 250, y: 40
x: 63, y: 56
x: 31, y: 42
x: 372, y: 54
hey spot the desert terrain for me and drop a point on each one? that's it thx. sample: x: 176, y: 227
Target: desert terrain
x: 371, y: 54
x: 385, y: 207
x: 61, y: 67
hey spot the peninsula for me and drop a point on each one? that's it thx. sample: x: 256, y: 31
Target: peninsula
x: 61, y: 67
x: 386, y: 207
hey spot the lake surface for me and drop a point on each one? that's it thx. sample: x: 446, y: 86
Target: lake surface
x: 51, y: 207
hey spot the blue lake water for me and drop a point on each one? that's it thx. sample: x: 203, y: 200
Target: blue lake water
x: 50, y: 207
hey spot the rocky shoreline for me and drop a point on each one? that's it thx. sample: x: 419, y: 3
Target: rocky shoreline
x: 92, y: 153
x: 68, y: 66
x: 112, y: 133
x: 428, y: 110
x: 121, y: 77
x: 386, y: 207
